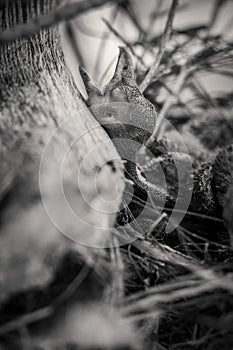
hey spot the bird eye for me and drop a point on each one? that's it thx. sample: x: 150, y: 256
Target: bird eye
x: 110, y: 114
x: 125, y: 67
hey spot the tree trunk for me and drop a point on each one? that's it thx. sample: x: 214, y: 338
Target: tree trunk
x: 37, y: 94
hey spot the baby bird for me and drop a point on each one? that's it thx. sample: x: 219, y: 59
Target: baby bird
x: 127, y: 117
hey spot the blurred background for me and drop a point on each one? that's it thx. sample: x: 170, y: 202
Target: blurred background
x: 93, y: 43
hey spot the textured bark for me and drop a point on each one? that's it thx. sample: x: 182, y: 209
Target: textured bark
x: 37, y: 93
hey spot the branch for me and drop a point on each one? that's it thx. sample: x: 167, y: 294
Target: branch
x: 215, y: 12
x: 120, y: 37
x: 63, y: 13
x: 170, y: 100
x: 166, y: 36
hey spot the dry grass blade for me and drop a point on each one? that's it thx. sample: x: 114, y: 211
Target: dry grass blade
x: 166, y: 287
x: 166, y: 36
x: 168, y: 255
x: 171, y: 296
x: 115, y: 292
x: 47, y: 311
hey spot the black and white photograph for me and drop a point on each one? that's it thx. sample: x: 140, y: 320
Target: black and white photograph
x: 116, y: 175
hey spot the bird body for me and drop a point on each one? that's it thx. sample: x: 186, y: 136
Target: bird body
x: 127, y: 117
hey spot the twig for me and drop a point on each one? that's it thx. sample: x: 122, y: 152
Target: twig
x: 58, y: 15
x: 25, y: 338
x: 183, y: 282
x: 26, y: 319
x: 158, y: 14
x: 215, y: 13
x: 204, y: 279
x: 142, y: 316
x: 177, y: 97
x: 166, y: 36
x: 117, y: 285
x: 132, y: 15
x: 47, y: 311
x: 205, y: 240
x: 156, y: 223
x: 134, y: 263
x: 220, y: 71
x: 210, y: 100
x: 158, y: 299
x: 186, y: 241
x: 119, y: 36
x: 139, y: 58
x: 179, y: 85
